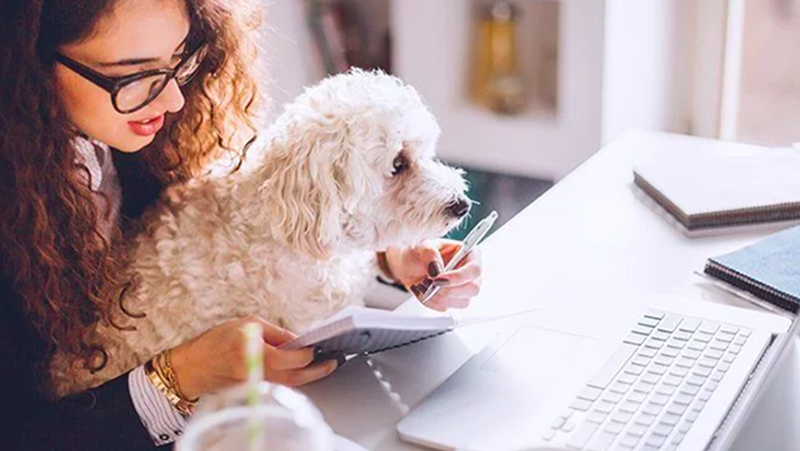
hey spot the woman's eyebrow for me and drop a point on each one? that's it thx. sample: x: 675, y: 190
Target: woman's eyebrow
x: 140, y: 61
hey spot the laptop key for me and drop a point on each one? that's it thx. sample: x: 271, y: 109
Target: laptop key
x: 612, y: 366
x: 643, y: 330
x: 581, y: 404
x: 726, y: 337
x: 629, y: 407
x: 727, y: 328
x: 582, y: 435
x: 629, y: 441
x: 604, y: 406
x: 614, y: 427
x: 619, y: 387
x: 645, y: 419
x: 690, y: 389
x: 590, y: 393
x: 669, y: 323
x: 670, y: 418
x: 709, y: 327
x: 676, y: 408
x: 655, y: 314
x: 637, y: 429
x: 601, y: 441
x: 671, y: 351
x: 745, y: 332
x: 626, y: 378
x: 660, y: 335
x: 649, y: 322
x: 622, y: 417
x: 612, y: 397
x: 683, y: 398
x: 634, y: 339
x: 647, y: 352
x: 703, y: 336
x: 689, y: 324
x: 650, y: 378
x: 655, y: 440
x: 718, y: 344
x: 597, y: 416
x: 697, y: 345
x: 652, y: 409
x: 636, y: 397
x: 662, y: 429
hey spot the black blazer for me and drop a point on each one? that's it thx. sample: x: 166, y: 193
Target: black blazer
x: 103, y: 418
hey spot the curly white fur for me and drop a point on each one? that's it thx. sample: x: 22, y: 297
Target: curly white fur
x: 291, y: 236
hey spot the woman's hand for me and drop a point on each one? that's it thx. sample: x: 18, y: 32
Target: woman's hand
x: 419, y: 267
x: 215, y: 359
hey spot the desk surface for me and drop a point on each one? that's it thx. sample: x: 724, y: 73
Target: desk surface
x: 589, y: 239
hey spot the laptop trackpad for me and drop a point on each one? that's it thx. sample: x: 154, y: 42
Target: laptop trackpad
x: 499, y: 398
x: 537, y: 355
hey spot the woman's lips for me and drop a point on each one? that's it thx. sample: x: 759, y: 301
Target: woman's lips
x: 147, y: 127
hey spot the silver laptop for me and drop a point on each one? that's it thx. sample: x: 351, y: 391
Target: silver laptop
x: 676, y: 375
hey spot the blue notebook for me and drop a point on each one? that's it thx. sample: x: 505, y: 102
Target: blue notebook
x: 769, y: 269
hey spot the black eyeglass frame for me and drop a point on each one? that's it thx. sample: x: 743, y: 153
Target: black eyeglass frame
x: 115, y: 84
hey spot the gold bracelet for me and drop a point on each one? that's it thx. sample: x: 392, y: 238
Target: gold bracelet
x: 166, y: 370
x: 159, y: 372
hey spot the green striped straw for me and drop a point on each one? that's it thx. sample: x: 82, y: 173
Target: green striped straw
x: 254, y: 355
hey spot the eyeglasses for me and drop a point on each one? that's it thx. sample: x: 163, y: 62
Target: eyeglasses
x: 134, y: 92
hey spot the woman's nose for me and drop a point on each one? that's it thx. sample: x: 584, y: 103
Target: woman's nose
x: 172, y: 97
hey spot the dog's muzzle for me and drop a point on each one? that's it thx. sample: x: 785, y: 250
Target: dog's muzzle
x: 458, y: 208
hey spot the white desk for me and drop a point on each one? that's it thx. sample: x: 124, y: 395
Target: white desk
x: 587, y: 240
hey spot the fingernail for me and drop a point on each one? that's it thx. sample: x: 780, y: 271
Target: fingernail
x: 426, y: 283
x: 340, y: 359
x: 435, y: 268
x: 440, y: 282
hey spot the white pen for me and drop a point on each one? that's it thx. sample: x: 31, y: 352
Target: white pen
x: 473, y: 238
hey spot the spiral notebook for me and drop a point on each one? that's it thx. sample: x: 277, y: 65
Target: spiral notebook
x: 768, y: 269
x: 361, y: 330
x: 709, y: 192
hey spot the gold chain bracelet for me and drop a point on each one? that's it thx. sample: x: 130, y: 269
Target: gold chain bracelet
x: 160, y: 373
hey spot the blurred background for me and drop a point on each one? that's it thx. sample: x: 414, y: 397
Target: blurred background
x: 526, y: 90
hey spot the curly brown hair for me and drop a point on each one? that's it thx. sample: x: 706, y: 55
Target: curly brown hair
x: 62, y: 266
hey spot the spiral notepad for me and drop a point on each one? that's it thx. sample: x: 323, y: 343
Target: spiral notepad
x: 767, y: 269
x: 360, y: 330
x: 709, y: 192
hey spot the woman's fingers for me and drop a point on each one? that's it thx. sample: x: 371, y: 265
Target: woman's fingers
x: 467, y: 273
x: 466, y: 291
x: 273, y: 334
x: 285, y: 359
x: 298, y: 377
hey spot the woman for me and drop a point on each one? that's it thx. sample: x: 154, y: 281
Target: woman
x: 167, y: 85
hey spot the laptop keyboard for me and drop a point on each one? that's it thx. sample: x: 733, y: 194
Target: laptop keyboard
x: 650, y: 391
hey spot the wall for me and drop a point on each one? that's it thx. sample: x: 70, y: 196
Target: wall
x: 645, y: 54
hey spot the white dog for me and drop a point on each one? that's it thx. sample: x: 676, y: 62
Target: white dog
x: 348, y: 170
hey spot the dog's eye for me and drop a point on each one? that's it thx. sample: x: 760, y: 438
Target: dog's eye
x: 399, y: 165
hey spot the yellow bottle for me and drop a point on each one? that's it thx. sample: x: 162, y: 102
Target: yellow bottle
x: 496, y: 80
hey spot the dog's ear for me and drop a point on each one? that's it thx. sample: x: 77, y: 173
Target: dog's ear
x: 308, y: 187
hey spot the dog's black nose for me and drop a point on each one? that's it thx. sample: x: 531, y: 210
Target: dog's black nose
x: 459, y: 207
